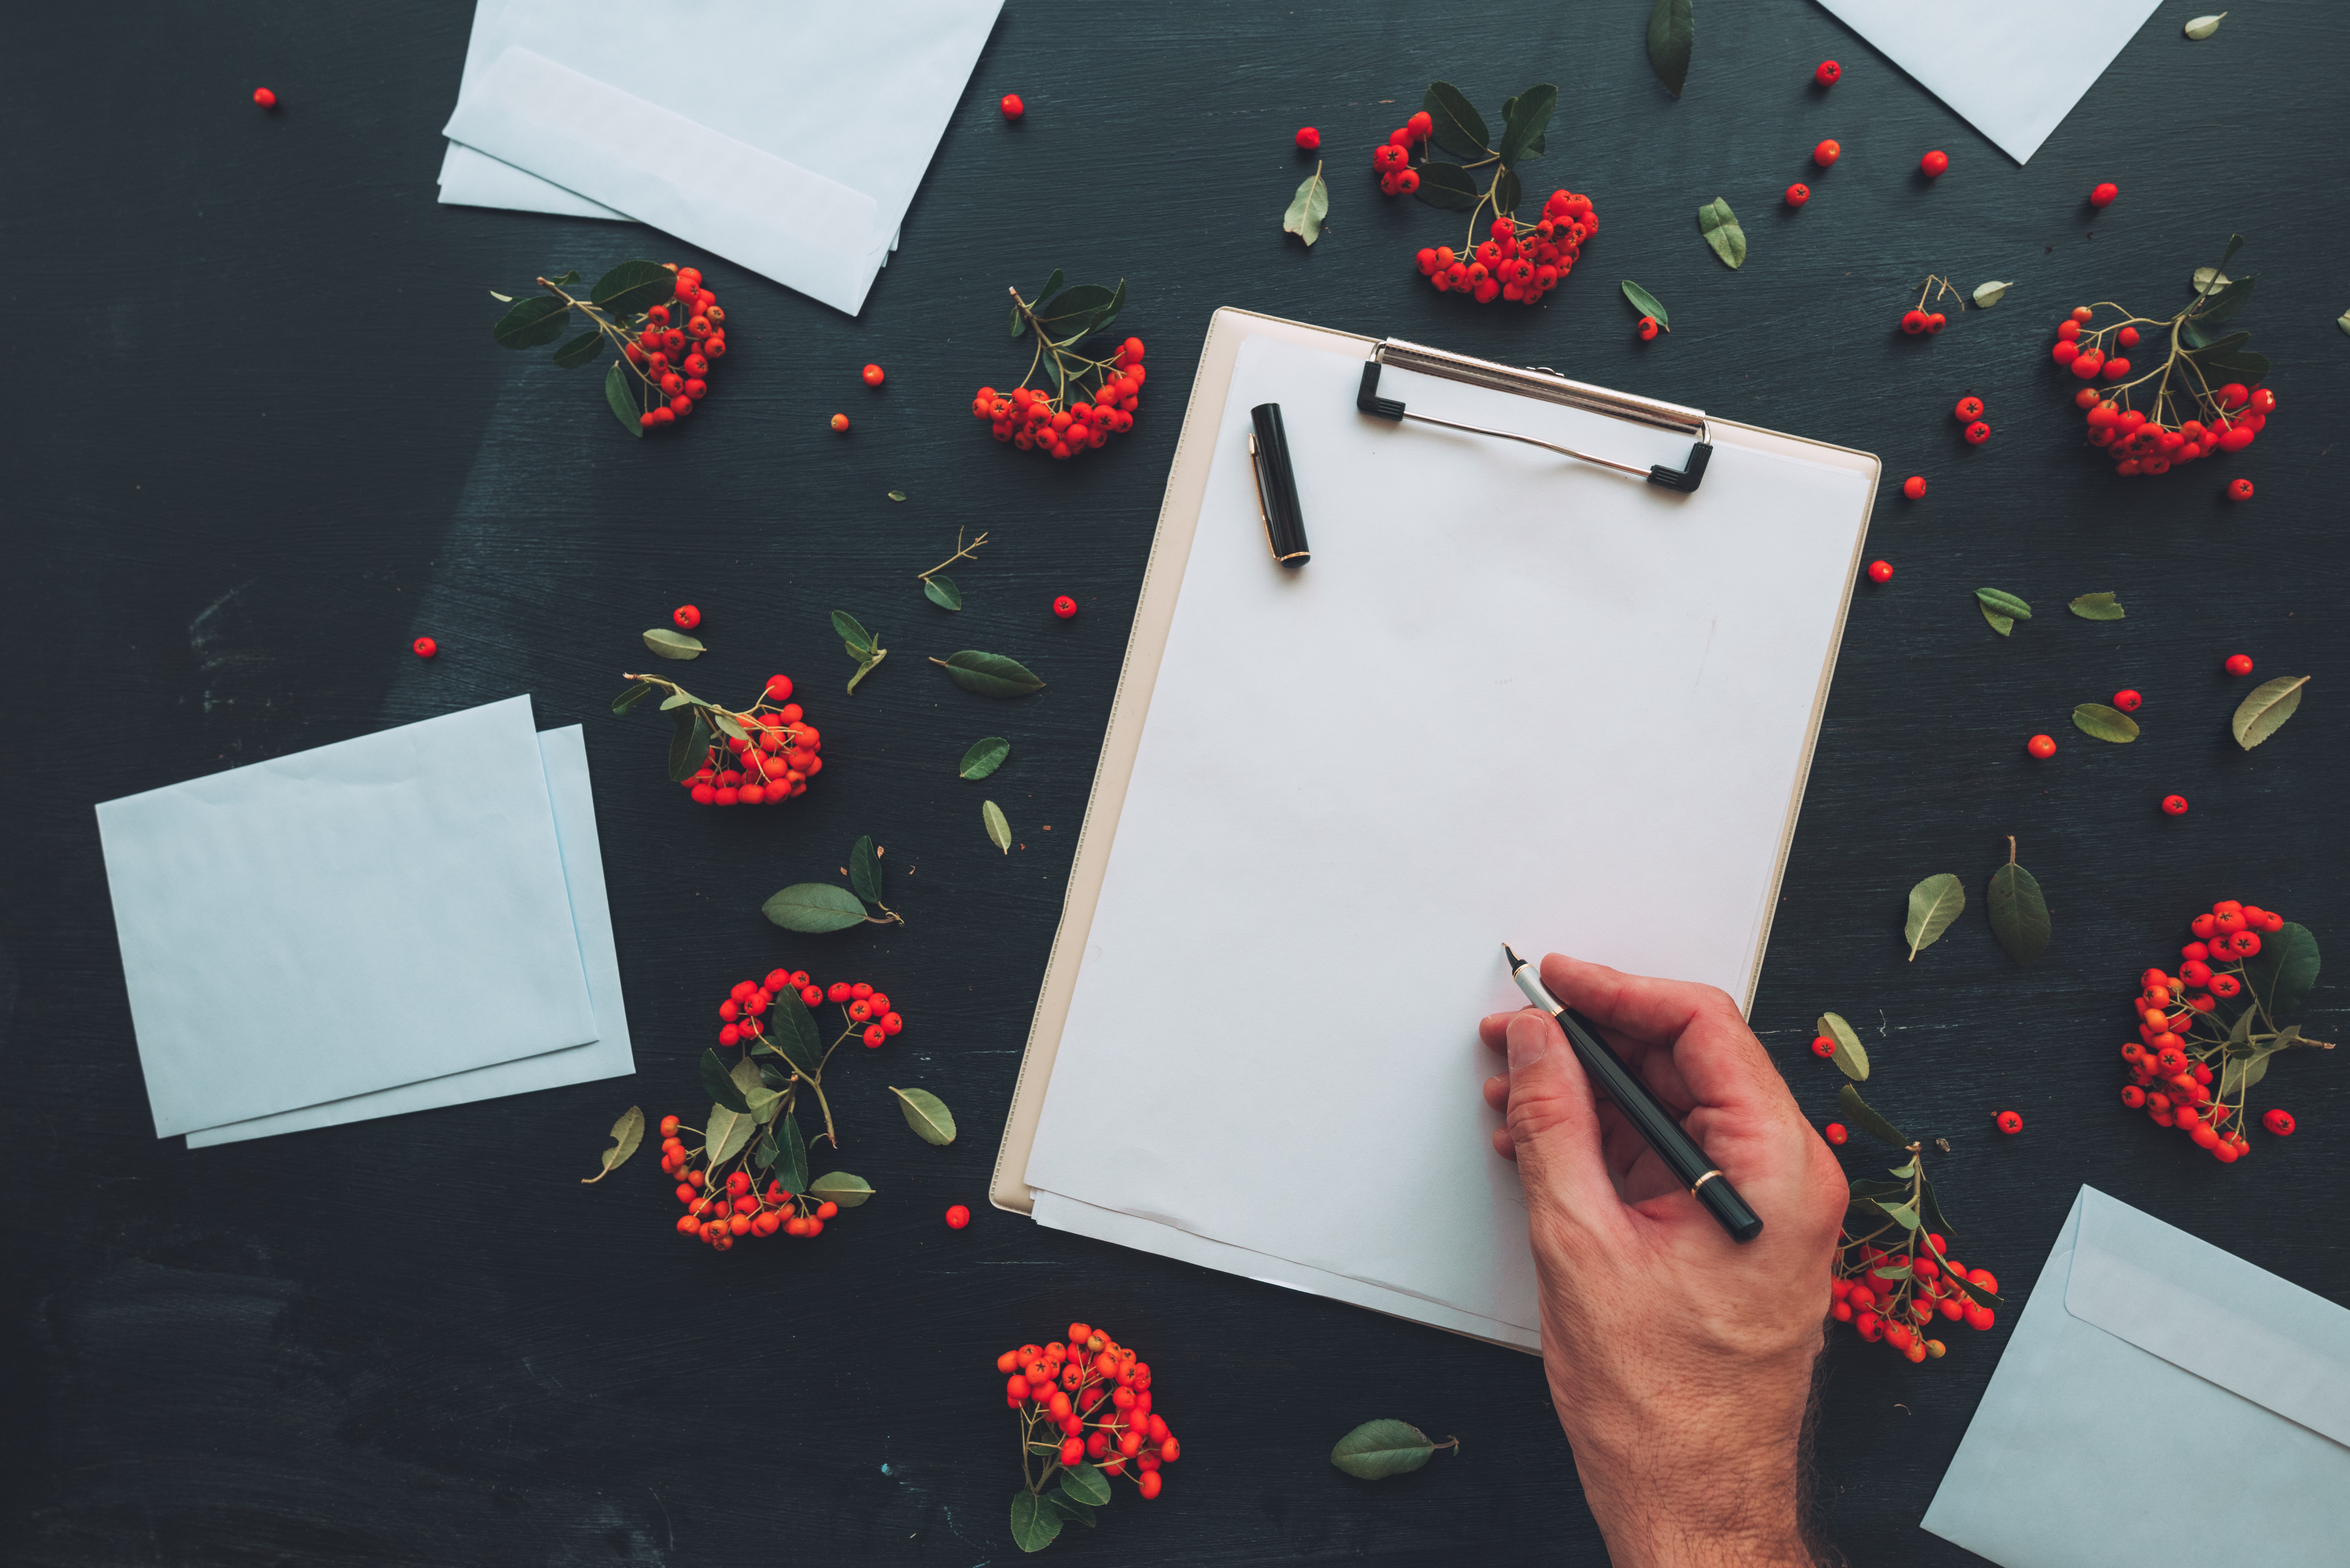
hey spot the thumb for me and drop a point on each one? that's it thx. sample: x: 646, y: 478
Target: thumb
x: 1555, y: 1126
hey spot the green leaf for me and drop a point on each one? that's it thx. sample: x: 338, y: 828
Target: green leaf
x: 1035, y: 1523
x: 1864, y: 1118
x: 2003, y: 603
x: 1907, y: 1169
x: 633, y: 285
x: 1535, y: 148
x: 1086, y: 1485
x: 865, y: 870
x: 2097, y: 607
x: 939, y: 589
x: 1878, y: 1188
x: 1998, y: 622
x: 1448, y: 186
x: 757, y: 1098
x: 2240, y: 1072
x: 1377, y: 1450
x: 1459, y: 128
x: 839, y: 1187
x: 1506, y: 192
x: 1934, y: 903
x: 1719, y: 226
x: 1904, y: 1214
x: 1525, y: 118
x: 688, y: 746
x: 719, y: 1083
x: 792, y: 1032
x: 2213, y: 343
x: 791, y: 1157
x: 2104, y: 723
x: 998, y: 831
x: 681, y: 699
x: 2342, y: 321
x: 852, y: 634
x: 2203, y: 26
x: 765, y: 1152
x: 927, y: 1115
x: 1117, y: 304
x: 989, y: 674
x: 1075, y: 312
x: 567, y: 279
x: 2208, y: 278
x: 673, y: 644
x: 2245, y: 367
x: 1898, y: 1271
x: 897, y: 495
x: 984, y: 757
x: 1672, y: 32
x: 1308, y: 208
x: 1069, y: 1508
x: 621, y: 396
x: 1646, y: 304
x: 2225, y: 301
x: 2281, y: 974
x: 867, y: 667
x: 2019, y: 914
x: 2263, y: 712
x: 1980, y: 1296
x: 577, y: 351
x: 1990, y: 294
x: 727, y: 1132
x: 1932, y: 1209
x: 729, y: 724
x: 532, y: 322
x: 626, y: 1134
x: 632, y: 696
x: 1851, y: 1058
x: 815, y: 906
x: 501, y: 298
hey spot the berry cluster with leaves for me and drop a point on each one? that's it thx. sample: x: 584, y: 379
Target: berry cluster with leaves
x: 1514, y: 261
x: 1084, y: 1408
x: 748, y: 1175
x: 1894, y: 1277
x: 1090, y: 399
x: 2203, y: 398
x: 666, y: 330
x: 771, y: 750
x: 2193, y: 1065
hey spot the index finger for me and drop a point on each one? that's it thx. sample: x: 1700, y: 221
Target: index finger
x: 1692, y: 1043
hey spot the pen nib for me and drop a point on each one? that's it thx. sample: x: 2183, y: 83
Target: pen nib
x: 1515, y: 962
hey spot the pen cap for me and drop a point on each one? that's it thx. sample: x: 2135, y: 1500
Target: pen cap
x: 1277, y: 487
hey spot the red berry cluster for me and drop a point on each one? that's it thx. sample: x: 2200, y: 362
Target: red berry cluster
x: 1073, y: 421
x: 772, y: 763
x: 1095, y: 1395
x: 870, y: 1015
x: 2190, y: 418
x: 717, y: 1212
x: 677, y: 347
x: 1392, y: 160
x: 1519, y: 262
x: 1895, y: 1296
x: 2180, y: 1036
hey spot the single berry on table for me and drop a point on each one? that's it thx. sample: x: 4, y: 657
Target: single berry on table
x: 1835, y: 1133
x: 1647, y: 328
x: 2278, y: 1120
x: 1826, y: 152
x: 1936, y: 321
x: 2174, y: 806
x: 264, y: 97
x: 686, y: 616
x: 1977, y: 433
x: 1309, y: 137
x: 2240, y: 664
x: 2042, y: 746
x: 1064, y: 607
x: 841, y: 421
x: 2127, y: 700
x: 1967, y: 409
x: 2009, y: 1122
x: 2239, y: 489
x: 1913, y: 322
x: 1012, y: 106
x: 958, y: 1217
x: 425, y: 646
x: 2104, y: 194
x: 1914, y: 487
x: 872, y: 374
x: 1822, y: 1045
x: 1798, y: 193
x: 1933, y: 163
x: 1827, y: 72
x: 1880, y: 571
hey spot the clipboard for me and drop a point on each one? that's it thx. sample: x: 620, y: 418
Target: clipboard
x: 1602, y: 431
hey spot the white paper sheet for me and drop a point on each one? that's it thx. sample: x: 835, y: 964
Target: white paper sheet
x: 364, y: 915
x: 608, y: 1056
x: 795, y: 149
x: 1512, y: 696
x: 2013, y: 69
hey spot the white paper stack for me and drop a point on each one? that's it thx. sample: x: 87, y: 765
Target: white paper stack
x: 787, y: 138
x: 409, y: 920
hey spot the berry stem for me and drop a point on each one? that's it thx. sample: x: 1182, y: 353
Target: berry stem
x: 962, y: 549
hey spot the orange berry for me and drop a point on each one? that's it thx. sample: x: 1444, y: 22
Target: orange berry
x: 1150, y: 1483
x: 872, y: 375
x: 841, y: 421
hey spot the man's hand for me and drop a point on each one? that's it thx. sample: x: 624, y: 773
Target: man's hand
x: 1680, y: 1362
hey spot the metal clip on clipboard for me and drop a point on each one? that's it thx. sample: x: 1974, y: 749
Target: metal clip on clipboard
x: 1550, y: 387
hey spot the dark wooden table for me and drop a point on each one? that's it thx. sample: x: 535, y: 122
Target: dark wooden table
x: 261, y: 438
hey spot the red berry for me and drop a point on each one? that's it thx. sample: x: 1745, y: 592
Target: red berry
x: 2240, y: 664
x: 1913, y: 322
x: 1977, y: 433
x: 1933, y: 163
x: 1012, y: 106
x: 2081, y: 313
x: 686, y: 616
x: 1936, y: 322
x: 841, y: 421
x: 264, y: 97
x: 1064, y: 607
x: 1309, y: 137
x: 2173, y: 805
x: 1798, y: 193
x: 2041, y: 746
x: 425, y: 646
x: 2116, y: 367
x: 1835, y: 1133
x: 2278, y: 1120
x: 958, y: 1217
x: 1880, y: 571
x: 2128, y: 701
x: 1827, y: 72
x: 1826, y: 154
x: 2127, y: 338
x: 2087, y: 398
x: 2009, y: 1122
x: 872, y: 374
x: 1647, y: 328
x: 1822, y: 1045
x: 1967, y: 409
x: 2239, y: 489
x: 2104, y: 194
x: 1914, y: 487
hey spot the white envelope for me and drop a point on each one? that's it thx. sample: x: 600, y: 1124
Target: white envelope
x: 2013, y: 69
x: 610, y: 1057
x: 344, y: 919
x: 793, y: 147
x: 2161, y: 1401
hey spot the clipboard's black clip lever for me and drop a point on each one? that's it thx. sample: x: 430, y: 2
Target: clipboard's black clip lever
x: 1550, y: 388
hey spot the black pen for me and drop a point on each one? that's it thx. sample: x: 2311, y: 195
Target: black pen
x: 1642, y: 1109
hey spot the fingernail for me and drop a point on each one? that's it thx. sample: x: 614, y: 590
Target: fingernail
x: 1529, y: 1042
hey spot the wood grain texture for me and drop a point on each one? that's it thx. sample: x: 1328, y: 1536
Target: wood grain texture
x: 264, y: 441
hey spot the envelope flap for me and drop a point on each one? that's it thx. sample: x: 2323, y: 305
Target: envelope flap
x: 2211, y: 1313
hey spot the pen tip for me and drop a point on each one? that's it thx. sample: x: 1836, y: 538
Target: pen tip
x: 1515, y: 962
